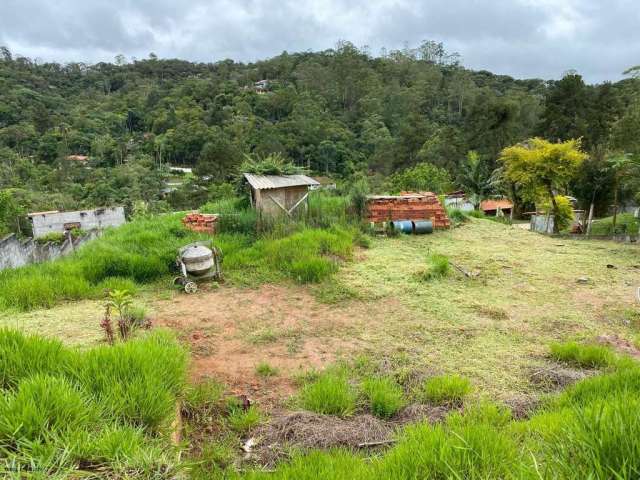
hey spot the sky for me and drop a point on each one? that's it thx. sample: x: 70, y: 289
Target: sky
x: 522, y: 38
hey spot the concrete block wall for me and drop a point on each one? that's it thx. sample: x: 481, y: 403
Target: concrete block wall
x: 16, y: 253
x: 48, y: 222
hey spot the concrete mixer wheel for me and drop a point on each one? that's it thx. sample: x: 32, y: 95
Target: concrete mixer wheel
x: 190, y: 287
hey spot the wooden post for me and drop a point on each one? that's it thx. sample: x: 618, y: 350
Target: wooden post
x: 589, y: 220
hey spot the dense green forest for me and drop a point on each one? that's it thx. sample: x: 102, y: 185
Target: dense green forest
x: 341, y: 112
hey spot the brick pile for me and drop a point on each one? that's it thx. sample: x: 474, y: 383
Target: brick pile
x: 200, y: 222
x: 407, y: 206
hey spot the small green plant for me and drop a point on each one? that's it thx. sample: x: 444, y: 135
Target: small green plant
x: 384, y: 396
x: 445, y: 389
x: 241, y: 419
x: 330, y: 393
x: 202, y: 396
x: 438, y: 267
x: 263, y: 369
x: 584, y: 356
x: 52, y: 237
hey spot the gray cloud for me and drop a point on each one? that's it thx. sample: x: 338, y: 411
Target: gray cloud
x: 523, y: 38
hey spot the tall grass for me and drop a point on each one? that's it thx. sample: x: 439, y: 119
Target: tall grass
x: 445, y: 389
x: 384, y: 395
x: 63, y: 409
x: 586, y: 356
x: 256, y: 250
x: 330, y: 393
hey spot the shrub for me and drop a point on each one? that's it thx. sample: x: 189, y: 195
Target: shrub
x: 329, y: 394
x: 52, y: 237
x: 446, y: 389
x: 563, y: 217
x: 265, y: 370
x: 424, y: 177
x: 585, y: 356
x: 438, y: 267
x: 384, y: 395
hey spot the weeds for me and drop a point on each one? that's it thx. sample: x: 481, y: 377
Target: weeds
x: 446, y: 390
x: 241, y: 419
x: 438, y: 267
x: 263, y: 369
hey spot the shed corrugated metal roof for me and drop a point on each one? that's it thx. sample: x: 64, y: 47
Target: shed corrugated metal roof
x: 264, y: 182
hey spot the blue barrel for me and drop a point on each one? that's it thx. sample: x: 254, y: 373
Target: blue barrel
x: 404, y: 226
x: 422, y: 226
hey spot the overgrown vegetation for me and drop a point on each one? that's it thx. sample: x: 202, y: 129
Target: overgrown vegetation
x: 384, y: 396
x: 438, y: 266
x: 104, y: 410
x: 585, y: 356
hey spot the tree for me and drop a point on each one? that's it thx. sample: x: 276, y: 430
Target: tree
x: 476, y: 177
x: 541, y: 167
x: 565, y: 109
x: 421, y: 178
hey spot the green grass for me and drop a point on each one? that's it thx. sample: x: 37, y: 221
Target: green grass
x: 438, y: 266
x: 63, y: 409
x: 263, y: 369
x: 445, y: 389
x: 584, y: 356
x: 384, y: 396
x: 590, y: 431
x: 241, y: 420
x: 329, y: 393
x: 144, y: 250
x: 625, y: 223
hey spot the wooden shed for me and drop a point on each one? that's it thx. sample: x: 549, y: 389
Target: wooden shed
x: 279, y: 194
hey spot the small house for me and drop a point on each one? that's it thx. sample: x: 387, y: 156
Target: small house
x: 496, y: 208
x: 279, y: 194
x: 54, y: 221
x: 459, y: 200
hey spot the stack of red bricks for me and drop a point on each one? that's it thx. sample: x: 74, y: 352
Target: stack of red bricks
x: 200, y: 222
x: 407, y: 206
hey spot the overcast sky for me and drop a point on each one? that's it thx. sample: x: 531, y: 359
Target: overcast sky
x: 523, y: 38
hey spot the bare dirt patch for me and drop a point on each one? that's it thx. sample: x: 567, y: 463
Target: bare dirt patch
x: 231, y: 330
x: 620, y: 345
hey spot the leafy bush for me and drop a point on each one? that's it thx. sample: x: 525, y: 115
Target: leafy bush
x: 384, y: 396
x: 475, y: 214
x: 330, y: 394
x: 446, y: 389
x: 456, y: 215
x: 585, y: 356
x: 424, y: 177
x: 563, y: 217
x: 438, y: 267
x: 274, y: 164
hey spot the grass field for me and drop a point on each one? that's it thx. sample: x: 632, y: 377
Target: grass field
x: 391, y: 328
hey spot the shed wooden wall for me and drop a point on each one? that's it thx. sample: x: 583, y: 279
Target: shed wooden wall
x: 287, y: 197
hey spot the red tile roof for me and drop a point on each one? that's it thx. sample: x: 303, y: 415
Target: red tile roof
x: 488, y: 205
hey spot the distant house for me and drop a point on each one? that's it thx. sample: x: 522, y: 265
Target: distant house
x: 279, y: 194
x: 495, y: 208
x: 459, y: 200
x: 54, y: 221
x: 324, y: 183
x: 261, y: 86
x: 79, y: 159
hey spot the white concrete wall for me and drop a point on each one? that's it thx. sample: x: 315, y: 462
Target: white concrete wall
x: 88, y: 219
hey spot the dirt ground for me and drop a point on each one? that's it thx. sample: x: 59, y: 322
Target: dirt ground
x: 232, y: 330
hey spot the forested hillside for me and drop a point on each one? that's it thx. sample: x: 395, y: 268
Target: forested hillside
x: 340, y: 112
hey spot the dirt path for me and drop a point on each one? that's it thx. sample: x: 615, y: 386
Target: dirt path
x: 231, y: 330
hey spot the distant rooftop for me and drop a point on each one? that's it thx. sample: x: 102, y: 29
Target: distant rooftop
x: 264, y: 182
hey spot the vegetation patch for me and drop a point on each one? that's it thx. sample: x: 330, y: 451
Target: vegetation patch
x: 584, y: 356
x: 384, y: 396
x: 106, y: 408
x: 438, y: 266
x: 445, y: 389
x: 330, y: 393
